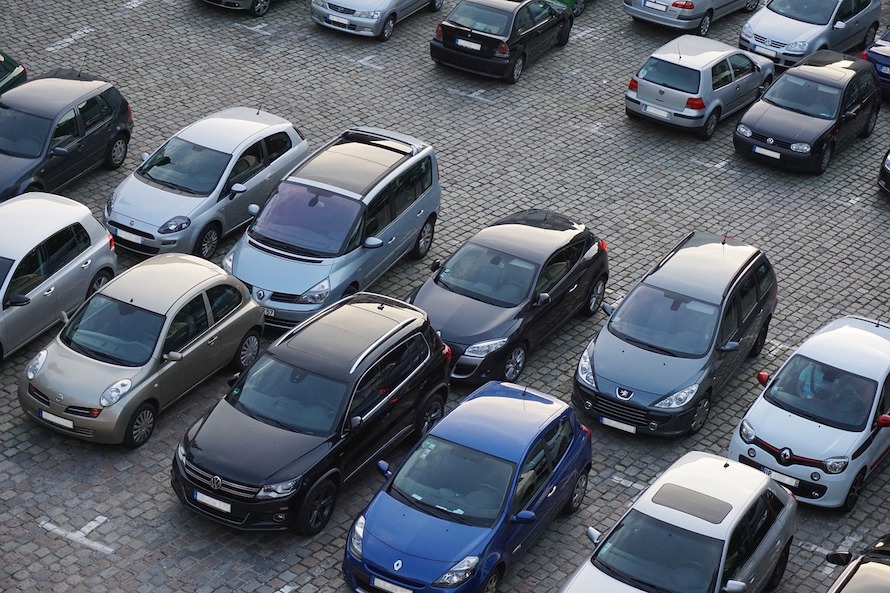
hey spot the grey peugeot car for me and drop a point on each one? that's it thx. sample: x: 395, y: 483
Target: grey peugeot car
x: 196, y: 188
x: 337, y: 222
x: 369, y: 18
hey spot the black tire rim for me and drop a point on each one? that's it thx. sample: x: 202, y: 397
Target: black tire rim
x: 597, y: 295
x: 854, y: 492
x: 321, y: 507
x: 431, y: 415
x: 826, y: 159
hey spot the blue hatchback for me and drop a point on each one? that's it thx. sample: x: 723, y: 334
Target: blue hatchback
x: 472, y: 496
x: 878, y: 54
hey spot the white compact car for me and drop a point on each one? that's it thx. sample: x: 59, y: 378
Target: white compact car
x: 819, y: 426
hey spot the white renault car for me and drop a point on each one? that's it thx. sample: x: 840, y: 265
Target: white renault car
x: 820, y: 426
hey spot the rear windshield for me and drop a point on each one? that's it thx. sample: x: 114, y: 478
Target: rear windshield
x: 485, y: 19
x: 672, y: 76
x: 816, y: 12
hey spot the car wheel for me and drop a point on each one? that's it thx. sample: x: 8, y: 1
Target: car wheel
x: 492, y: 582
x: 515, y: 363
x: 870, y: 124
x: 259, y: 7
x: 424, y: 239
x: 700, y: 416
x: 117, y: 152
x: 140, y: 427
x: 349, y: 291
x: 706, y: 132
x: 564, y: 34
x: 705, y: 24
x: 824, y: 159
x: 751, y: 5
x: 317, y: 507
x: 779, y: 571
x: 516, y: 70
x: 579, y: 7
x: 99, y: 280
x: 759, y: 342
x: 595, y: 297
x: 436, y: 5
x: 208, y: 241
x: 388, y: 27
x: 431, y: 412
x: 870, y: 35
x: 853, y: 493
x: 247, y: 351
x: 578, y: 492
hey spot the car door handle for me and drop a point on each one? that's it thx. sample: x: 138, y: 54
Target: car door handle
x: 86, y: 264
x: 552, y: 491
x: 391, y: 241
x: 419, y: 214
x: 49, y: 291
x: 572, y: 289
x: 212, y: 340
x: 268, y: 177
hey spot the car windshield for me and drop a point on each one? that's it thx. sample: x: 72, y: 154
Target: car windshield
x: 454, y: 482
x: 804, y: 96
x: 665, y: 322
x: 289, y: 397
x: 113, y: 331
x: 655, y: 556
x: 5, y: 266
x: 823, y: 393
x: 488, y: 275
x: 485, y: 19
x: 185, y: 166
x: 672, y: 76
x: 815, y: 12
x: 306, y: 220
x: 21, y: 134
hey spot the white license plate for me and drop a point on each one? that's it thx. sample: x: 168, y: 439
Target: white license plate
x: 655, y: 5
x: 763, y: 51
x: 212, y: 502
x: 387, y: 586
x: 781, y: 478
x: 337, y: 19
x: 885, y: 69
x: 468, y: 44
x: 766, y: 152
x: 55, y: 419
x: 656, y: 112
x: 618, y: 425
x: 268, y: 312
x: 129, y: 236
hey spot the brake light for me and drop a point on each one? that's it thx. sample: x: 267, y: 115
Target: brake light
x: 447, y: 352
x: 503, y: 51
x: 587, y: 431
x: 695, y: 103
x: 129, y: 114
x: 110, y: 242
x: 864, y: 55
x: 685, y: 5
x: 603, y: 245
x: 438, y: 35
x: 633, y: 84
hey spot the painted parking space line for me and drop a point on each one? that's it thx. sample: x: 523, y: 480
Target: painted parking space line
x: 827, y: 568
x: 134, y: 3
x: 80, y: 536
x: 66, y: 41
x: 475, y: 95
x: 256, y: 28
x: 720, y: 165
x: 365, y: 61
x: 285, y: 589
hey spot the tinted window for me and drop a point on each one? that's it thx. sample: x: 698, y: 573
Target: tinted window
x: 670, y: 75
x: 185, y: 166
x: 424, y: 175
x: 540, y: 12
x: 558, y: 440
x: 31, y: 272
x: 405, y: 191
x: 188, y: 324
x: 760, y: 518
x: 846, y: 10
x: 94, y: 111
x: 533, y: 474
x: 729, y: 325
x: 556, y: 268
x: 741, y: 65
x: 63, y: 247
x: 817, y: 12
x: 248, y: 164
x: 66, y: 130
x: 5, y: 266
x: 737, y: 552
x: 379, y: 212
x: 524, y: 20
x: 721, y: 75
x: 277, y: 144
x: 763, y: 274
x: 22, y: 134
x: 223, y: 300
x: 481, y: 18
x: 747, y: 295
x: 487, y: 275
x: 804, y: 96
x: 883, y: 405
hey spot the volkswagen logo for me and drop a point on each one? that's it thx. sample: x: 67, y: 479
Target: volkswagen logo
x: 660, y: 91
x: 216, y: 482
x: 588, y: 405
x: 60, y: 398
x: 397, y: 565
x: 770, y: 141
x: 785, y: 455
x: 261, y: 294
x: 624, y: 393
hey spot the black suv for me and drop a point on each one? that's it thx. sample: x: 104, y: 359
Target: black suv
x: 327, y: 397
x: 58, y: 127
x: 678, y: 337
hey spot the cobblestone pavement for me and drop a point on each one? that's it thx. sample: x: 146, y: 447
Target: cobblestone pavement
x: 557, y: 139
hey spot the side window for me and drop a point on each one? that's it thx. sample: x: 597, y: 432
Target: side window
x: 884, y: 403
x: 409, y: 356
x: 729, y: 325
x: 532, y: 475
x: 276, y: 145
x: 247, y: 165
x: 737, y: 552
x: 94, y: 112
x: 524, y: 20
x: 741, y: 65
x: 81, y: 236
x: 61, y: 249
x: 30, y: 273
x: 65, y: 132
x: 853, y: 94
x: 763, y: 275
x: 868, y: 85
x: 405, y: 191
x: 223, y: 300
x: 556, y: 268
x: 558, y: 440
x: 376, y: 384
x: 189, y: 323
x: 540, y: 12
x: 845, y: 11
x: 860, y: 5
x: 424, y: 177
x: 747, y: 295
x: 379, y: 214
x: 760, y: 518
x: 721, y: 75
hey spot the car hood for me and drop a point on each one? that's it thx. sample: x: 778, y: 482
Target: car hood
x: 266, y: 270
x: 12, y: 169
x: 463, y: 320
x: 881, y: 48
x: 151, y: 204
x: 805, y: 438
x: 244, y: 449
x: 771, y: 25
x: 766, y: 118
x: 362, y: 5
x: 588, y: 577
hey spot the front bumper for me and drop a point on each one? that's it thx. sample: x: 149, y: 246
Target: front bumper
x: 348, y: 23
x: 138, y: 238
x: 233, y: 4
x: 776, y: 54
x: 492, y: 67
x: 51, y: 412
x: 775, y: 154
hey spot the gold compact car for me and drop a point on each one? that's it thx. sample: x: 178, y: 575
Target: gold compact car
x: 137, y: 345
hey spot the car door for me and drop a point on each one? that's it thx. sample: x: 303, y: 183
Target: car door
x: 561, y: 279
x: 724, y: 362
x: 545, y: 30
x: 98, y: 126
x: 274, y: 147
x: 852, y: 116
x: 248, y: 170
x: 525, y: 33
x: 764, y: 541
x: 746, y: 80
x: 880, y: 437
x: 723, y: 87
x: 377, y: 222
x: 70, y: 266
x: 843, y: 38
x: 58, y: 170
x: 30, y: 279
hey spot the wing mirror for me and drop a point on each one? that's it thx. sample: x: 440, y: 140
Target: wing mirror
x: 18, y: 300
x: 594, y: 535
x: 435, y: 265
x: 383, y: 468
x: 144, y: 156
x: 238, y: 188
x: 735, y: 587
x: 840, y: 25
x: 763, y: 378
x: 355, y: 422
x: 373, y: 243
x: 64, y: 317
x: 839, y: 558
x: 173, y: 356
x: 542, y: 299
x: 608, y: 309
x: 59, y: 151
x: 729, y: 347
x: 523, y: 517
x: 253, y: 209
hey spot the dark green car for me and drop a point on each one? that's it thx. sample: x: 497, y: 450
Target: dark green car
x: 11, y: 73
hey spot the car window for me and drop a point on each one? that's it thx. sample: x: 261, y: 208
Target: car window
x: 533, y: 474
x: 29, y: 274
x: 852, y: 95
x: 190, y: 322
x: 764, y: 276
x: 487, y: 275
x: 486, y: 19
x: 860, y: 5
x: 721, y: 74
x: 524, y: 20
x: 22, y: 134
x: 540, y: 12
x: 729, y: 325
x: 276, y: 145
x: 741, y: 65
x: 558, y: 440
x: 64, y: 246
x: 845, y: 11
x: 424, y: 178
x: 386, y: 376
x: 94, y: 112
x: 405, y: 191
x: 747, y: 295
x: 738, y: 551
x: 884, y: 403
x: 379, y: 212
x: 224, y: 299
x: 761, y: 517
x: 670, y: 75
x: 249, y: 163
x: 66, y: 130
x: 185, y: 166
x: 556, y: 268
x: 407, y: 358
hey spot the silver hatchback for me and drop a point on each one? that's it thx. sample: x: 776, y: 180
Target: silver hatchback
x: 686, y: 14
x: 369, y: 18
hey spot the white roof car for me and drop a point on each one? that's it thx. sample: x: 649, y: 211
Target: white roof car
x: 819, y: 425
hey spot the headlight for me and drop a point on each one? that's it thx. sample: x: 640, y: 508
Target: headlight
x: 368, y: 14
x: 747, y: 31
x: 459, y: 573
x: 483, y: 349
x: 678, y: 399
x: 585, y: 369
x: 175, y: 224
x: 280, y: 489
x: 835, y: 465
x: 743, y: 130
x: 180, y: 452
x: 801, y: 147
x: 111, y: 395
x: 356, y: 535
x: 317, y: 294
x: 797, y: 46
x: 109, y: 204
x: 227, y: 261
x: 35, y: 365
x: 746, y: 431
x: 887, y: 162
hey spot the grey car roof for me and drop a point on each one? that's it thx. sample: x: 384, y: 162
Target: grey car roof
x: 694, y: 51
x: 32, y: 217
x: 45, y: 97
x: 532, y: 235
x: 226, y: 130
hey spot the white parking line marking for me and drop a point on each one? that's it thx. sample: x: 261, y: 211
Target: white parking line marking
x: 257, y: 29
x: 66, y: 41
x: 134, y: 3
x: 80, y: 536
x: 582, y: 32
x: 285, y: 589
x: 719, y: 165
x: 366, y: 61
x: 628, y: 483
x: 476, y: 95
x: 595, y: 130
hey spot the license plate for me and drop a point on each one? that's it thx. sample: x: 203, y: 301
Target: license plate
x: 781, y: 478
x: 55, y: 419
x: 618, y: 425
x: 655, y: 6
x: 468, y: 44
x: 268, y: 312
x: 763, y: 51
x: 766, y: 152
x: 656, y: 112
x: 885, y: 69
x: 212, y: 502
x: 387, y: 586
x: 129, y: 236
x: 337, y: 19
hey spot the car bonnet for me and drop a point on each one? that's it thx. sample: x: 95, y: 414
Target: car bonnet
x: 772, y: 25
x: 766, y: 118
x: 266, y: 270
x: 151, y: 204
x: 588, y: 577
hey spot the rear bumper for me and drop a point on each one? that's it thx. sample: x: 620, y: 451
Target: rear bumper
x: 492, y: 67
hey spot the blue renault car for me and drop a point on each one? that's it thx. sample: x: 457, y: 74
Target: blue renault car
x: 472, y: 496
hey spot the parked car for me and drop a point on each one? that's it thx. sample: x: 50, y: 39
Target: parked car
x: 884, y: 173
x: 820, y: 425
x: 811, y: 111
x: 787, y: 30
x: 337, y: 222
x: 196, y: 188
x: 327, y: 398
x: 11, y: 72
x: 368, y: 19
x: 509, y: 287
x: 878, y: 53
x: 499, y: 38
x: 53, y: 255
x: 253, y: 7
x: 693, y: 83
x: 706, y: 525
x: 685, y: 14
x: 53, y: 131
x: 867, y: 573
x: 689, y: 323
x: 129, y: 353
x: 472, y: 496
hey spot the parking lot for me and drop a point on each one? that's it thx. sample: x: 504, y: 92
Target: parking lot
x: 82, y: 517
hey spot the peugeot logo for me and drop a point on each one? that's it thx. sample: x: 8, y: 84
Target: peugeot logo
x: 60, y: 398
x: 770, y: 141
x: 785, y: 455
x: 397, y: 565
x: 623, y: 393
x: 261, y: 294
x: 216, y: 482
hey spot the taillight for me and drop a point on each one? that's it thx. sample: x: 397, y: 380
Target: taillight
x: 438, y: 35
x: 129, y: 114
x: 695, y: 103
x: 686, y: 5
x: 503, y: 51
x: 110, y: 241
x: 633, y: 84
x: 864, y: 55
x: 587, y: 431
x: 447, y: 352
x: 603, y: 245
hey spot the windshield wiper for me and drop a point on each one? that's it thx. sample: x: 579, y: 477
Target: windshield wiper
x: 285, y: 246
x: 649, y: 346
x: 101, y: 356
x: 621, y: 576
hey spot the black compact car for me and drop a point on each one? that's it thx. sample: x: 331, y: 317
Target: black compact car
x: 678, y: 337
x: 55, y: 129
x: 498, y: 38
x: 867, y: 573
x: 816, y: 107
x: 11, y: 72
x: 327, y: 398
x: 507, y: 288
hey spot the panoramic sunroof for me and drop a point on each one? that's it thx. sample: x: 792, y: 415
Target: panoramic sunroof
x: 706, y: 508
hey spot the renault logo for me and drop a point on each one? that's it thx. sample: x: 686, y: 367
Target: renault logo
x: 397, y: 565
x: 624, y: 393
x: 785, y: 455
x: 261, y: 294
x: 216, y: 482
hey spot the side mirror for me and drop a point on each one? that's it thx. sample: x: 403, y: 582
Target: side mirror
x: 173, y: 356
x: 848, y: 115
x: 144, y: 156
x: 18, y: 300
x: 608, y: 309
x: 253, y: 209
x: 840, y: 25
x: 735, y: 587
x: 64, y: 317
x: 763, y: 378
x: 59, y: 151
x: 373, y: 243
x: 523, y: 517
x: 383, y: 468
x: 435, y: 265
x: 238, y: 188
x: 542, y: 299
x: 839, y: 558
x: 729, y: 347
x: 594, y: 535
x: 883, y: 420
x: 355, y: 422
x: 233, y: 379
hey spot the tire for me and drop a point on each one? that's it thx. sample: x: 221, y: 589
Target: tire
x: 779, y: 571
x: 759, y: 342
x: 317, y: 508
x: 564, y: 35
x: 870, y: 124
x: 247, y: 352
x: 854, y: 492
x: 594, y: 297
x: 141, y: 426
x: 515, y: 363
x: 870, y: 35
x: 577, y: 498
x: 705, y: 24
x: 207, y: 242
x: 117, y: 152
x: 388, y: 27
x: 492, y: 582
x: 436, y: 5
x: 751, y: 5
x: 516, y: 71
x: 259, y: 7
x: 99, y: 280
x: 424, y: 239
x: 700, y: 417
x: 349, y: 291
x: 824, y: 159
x: 579, y: 7
x: 706, y: 132
x: 631, y: 114
x: 432, y: 411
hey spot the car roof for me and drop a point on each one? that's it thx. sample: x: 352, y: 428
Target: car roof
x: 226, y: 130
x: 702, y: 266
x: 531, y: 234
x: 693, y: 51
x: 702, y: 492
x: 45, y: 97
x: 829, y: 67
x: 500, y: 419
x: 157, y: 283
x: 852, y: 343
x: 867, y: 574
x: 32, y: 217
x: 505, y: 5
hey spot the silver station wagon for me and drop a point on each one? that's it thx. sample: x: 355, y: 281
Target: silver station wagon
x: 686, y: 14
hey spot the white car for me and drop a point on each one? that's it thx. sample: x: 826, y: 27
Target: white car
x: 819, y: 426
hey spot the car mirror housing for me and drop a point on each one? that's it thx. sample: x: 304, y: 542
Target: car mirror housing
x: 59, y: 151
x: 883, y: 420
x: 608, y: 309
x: 840, y: 25
x: 593, y: 535
x: 173, y: 356
x: 763, y: 378
x: 524, y: 517
x: 144, y: 156
x: 848, y: 115
x: 729, y: 347
x: 355, y: 422
x: 233, y: 379
x: 839, y: 558
x: 238, y: 188
x: 735, y: 587
x: 253, y: 209
x: 373, y: 243
x: 435, y: 265
x: 64, y: 317
x: 18, y: 300
x: 542, y: 299
x: 383, y: 468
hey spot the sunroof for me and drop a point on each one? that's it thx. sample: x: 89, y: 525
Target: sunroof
x: 706, y: 508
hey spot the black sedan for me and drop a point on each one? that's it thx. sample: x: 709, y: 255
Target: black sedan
x: 55, y: 129
x: 819, y: 105
x: 497, y: 38
x: 511, y: 285
x: 868, y: 573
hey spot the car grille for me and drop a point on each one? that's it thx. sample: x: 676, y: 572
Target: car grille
x: 38, y: 395
x: 761, y: 40
x: 763, y: 137
x: 283, y: 297
x: 364, y: 581
x: 340, y: 9
x: 350, y: 26
x: 130, y: 230
x: 804, y: 489
x: 79, y: 411
x: 138, y: 248
x: 776, y: 452
x: 617, y: 411
x: 234, y: 489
